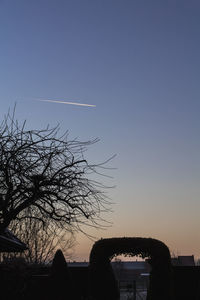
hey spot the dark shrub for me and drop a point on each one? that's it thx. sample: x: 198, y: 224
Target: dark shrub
x: 53, y: 283
x: 59, y: 268
x: 102, y: 280
x: 60, y: 280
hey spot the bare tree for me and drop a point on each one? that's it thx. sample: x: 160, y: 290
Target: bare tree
x: 42, y: 242
x: 49, y: 174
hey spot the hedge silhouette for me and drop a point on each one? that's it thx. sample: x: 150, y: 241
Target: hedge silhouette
x: 60, y: 278
x: 103, y: 284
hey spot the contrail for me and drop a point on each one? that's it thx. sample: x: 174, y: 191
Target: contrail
x: 65, y: 102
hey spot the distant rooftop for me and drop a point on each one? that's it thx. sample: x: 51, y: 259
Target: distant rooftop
x: 187, y: 260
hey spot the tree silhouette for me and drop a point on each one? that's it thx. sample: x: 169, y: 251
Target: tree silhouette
x: 47, y: 173
x: 41, y: 242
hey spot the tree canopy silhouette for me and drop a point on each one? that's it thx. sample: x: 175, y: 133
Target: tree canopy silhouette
x: 47, y: 173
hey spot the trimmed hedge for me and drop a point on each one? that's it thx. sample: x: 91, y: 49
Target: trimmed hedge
x: 102, y: 280
x: 21, y: 281
x: 60, y: 278
x: 55, y: 284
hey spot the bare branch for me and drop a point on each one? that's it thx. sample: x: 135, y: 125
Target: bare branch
x: 48, y: 174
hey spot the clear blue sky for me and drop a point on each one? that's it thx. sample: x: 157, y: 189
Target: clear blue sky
x: 139, y: 63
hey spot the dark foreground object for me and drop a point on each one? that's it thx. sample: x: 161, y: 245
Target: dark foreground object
x: 19, y: 281
x: 102, y: 279
x: 186, y: 281
x: 36, y: 284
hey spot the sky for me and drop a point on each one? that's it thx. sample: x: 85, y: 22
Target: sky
x: 137, y: 63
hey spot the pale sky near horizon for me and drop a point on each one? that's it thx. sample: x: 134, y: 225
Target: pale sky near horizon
x: 138, y: 62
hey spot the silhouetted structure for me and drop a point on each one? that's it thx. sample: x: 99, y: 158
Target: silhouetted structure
x: 98, y: 281
x: 186, y: 260
x: 132, y: 277
x: 10, y: 243
x: 102, y: 280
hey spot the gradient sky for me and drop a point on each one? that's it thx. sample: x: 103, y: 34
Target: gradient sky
x: 138, y: 61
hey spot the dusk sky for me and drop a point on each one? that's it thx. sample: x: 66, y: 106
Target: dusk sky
x: 138, y: 63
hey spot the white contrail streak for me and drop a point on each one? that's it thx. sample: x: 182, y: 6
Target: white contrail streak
x: 65, y: 102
